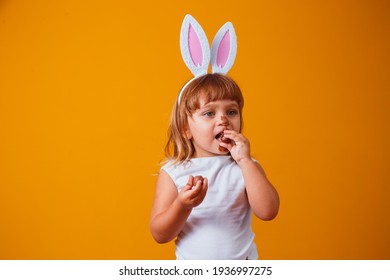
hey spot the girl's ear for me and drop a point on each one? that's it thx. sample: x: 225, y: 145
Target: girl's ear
x: 187, y: 133
x: 194, y: 46
x: 224, y: 49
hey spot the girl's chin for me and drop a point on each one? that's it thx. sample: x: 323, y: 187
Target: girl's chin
x: 223, y: 150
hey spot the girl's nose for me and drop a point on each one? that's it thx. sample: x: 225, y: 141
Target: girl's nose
x: 224, y: 121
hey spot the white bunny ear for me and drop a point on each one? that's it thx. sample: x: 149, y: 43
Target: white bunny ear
x: 194, y: 46
x: 224, y: 49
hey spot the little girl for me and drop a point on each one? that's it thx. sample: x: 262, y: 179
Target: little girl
x: 211, y: 218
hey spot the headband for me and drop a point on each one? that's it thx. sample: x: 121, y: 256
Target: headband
x: 195, y: 49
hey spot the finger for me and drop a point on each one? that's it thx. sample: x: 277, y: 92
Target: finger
x: 196, y: 189
x: 189, y: 184
x: 230, y: 133
x: 200, y: 191
x: 202, y: 194
x: 190, y: 181
x: 198, y: 183
x: 234, y: 135
x: 186, y: 188
x: 228, y: 146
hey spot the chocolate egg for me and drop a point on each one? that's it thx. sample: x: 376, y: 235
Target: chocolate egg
x: 223, y: 149
x: 222, y: 138
x: 225, y: 140
x: 198, y: 178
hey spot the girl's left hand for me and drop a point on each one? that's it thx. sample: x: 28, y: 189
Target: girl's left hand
x: 238, y: 147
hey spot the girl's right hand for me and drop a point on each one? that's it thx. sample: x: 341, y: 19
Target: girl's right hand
x: 191, y: 196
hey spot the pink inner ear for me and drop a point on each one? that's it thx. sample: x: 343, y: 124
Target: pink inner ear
x: 195, y: 47
x: 223, y: 50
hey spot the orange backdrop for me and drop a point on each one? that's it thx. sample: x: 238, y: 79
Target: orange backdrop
x: 86, y: 89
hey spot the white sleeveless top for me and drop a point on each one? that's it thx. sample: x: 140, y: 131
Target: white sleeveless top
x: 220, y: 227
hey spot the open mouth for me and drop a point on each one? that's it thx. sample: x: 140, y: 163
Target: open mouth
x: 220, y: 137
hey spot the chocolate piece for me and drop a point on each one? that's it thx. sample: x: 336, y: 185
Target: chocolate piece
x: 222, y: 138
x: 198, y: 178
x: 222, y: 149
x: 225, y: 140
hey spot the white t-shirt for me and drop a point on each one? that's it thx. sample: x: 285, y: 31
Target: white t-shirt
x: 220, y: 227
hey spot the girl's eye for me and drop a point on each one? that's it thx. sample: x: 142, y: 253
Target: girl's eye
x: 209, y: 114
x: 232, y: 112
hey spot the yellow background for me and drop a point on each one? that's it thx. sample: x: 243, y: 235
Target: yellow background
x: 86, y: 89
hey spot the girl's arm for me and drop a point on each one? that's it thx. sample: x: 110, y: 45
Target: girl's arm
x: 171, y: 209
x: 263, y: 197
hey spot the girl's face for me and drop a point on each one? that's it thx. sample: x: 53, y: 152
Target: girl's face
x: 207, y: 123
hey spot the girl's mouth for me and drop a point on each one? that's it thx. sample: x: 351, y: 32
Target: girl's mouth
x: 220, y: 137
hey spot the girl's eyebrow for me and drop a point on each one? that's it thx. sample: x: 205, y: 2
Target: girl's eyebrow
x: 206, y: 106
x: 233, y: 104
x: 213, y: 105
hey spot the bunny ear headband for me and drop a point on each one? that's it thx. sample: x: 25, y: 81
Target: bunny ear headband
x: 196, y: 53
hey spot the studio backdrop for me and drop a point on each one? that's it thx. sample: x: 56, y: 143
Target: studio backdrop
x: 86, y: 90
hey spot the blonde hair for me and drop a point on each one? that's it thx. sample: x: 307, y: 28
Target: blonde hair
x: 211, y: 87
